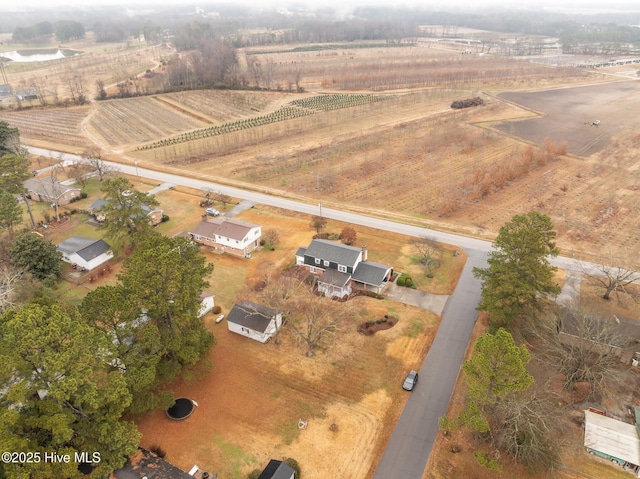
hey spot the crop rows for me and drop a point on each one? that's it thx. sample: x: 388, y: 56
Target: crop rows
x: 225, y: 105
x: 336, y: 101
x: 284, y: 113
x: 61, y: 125
x: 293, y: 109
x: 137, y: 120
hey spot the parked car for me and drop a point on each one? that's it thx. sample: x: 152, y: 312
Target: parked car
x: 410, y: 381
x: 212, y: 212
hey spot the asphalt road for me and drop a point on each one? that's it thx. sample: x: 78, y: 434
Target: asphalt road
x: 408, y: 450
x: 410, y: 445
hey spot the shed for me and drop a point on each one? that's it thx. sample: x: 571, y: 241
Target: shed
x: 277, y: 470
x: 612, y: 439
x: 206, y: 303
x: 254, y: 321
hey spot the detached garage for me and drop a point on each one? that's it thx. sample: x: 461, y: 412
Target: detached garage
x: 254, y: 321
x: 86, y: 253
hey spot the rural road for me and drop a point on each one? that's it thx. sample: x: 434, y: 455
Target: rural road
x: 408, y: 450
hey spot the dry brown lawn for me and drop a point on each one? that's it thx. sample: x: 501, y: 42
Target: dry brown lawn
x: 252, y: 397
x: 409, y: 157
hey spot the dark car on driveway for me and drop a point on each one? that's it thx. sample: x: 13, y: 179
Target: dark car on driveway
x: 410, y: 381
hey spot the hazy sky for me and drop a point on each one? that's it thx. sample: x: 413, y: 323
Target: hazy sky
x: 573, y: 4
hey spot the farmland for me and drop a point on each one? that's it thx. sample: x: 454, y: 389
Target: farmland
x: 373, y: 130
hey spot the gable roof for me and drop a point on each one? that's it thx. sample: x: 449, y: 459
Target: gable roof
x: 252, y: 315
x: 146, y: 464
x: 233, y: 229
x: 369, y: 272
x: 612, y: 437
x: 335, y: 252
x: 75, y: 244
x: 94, y: 250
x: 48, y: 187
x: 276, y: 470
x: 86, y: 248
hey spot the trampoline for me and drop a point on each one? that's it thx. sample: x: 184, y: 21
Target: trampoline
x: 182, y: 409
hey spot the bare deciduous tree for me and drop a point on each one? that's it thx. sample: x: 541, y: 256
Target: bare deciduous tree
x: 613, y: 279
x: 271, y: 237
x: 78, y: 172
x: 9, y: 279
x: 222, y: 198
x: 311, y: 318
x: 318, y: 223
x: 583, y: 346
x: 95, y: 161
x: 429, y: 253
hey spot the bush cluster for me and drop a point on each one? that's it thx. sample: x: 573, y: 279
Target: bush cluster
x: 467, y: 102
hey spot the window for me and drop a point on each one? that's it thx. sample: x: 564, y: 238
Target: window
x: 326, y: 263
x: 317, y: 260
x: 312, y: 269
x: 198, y: 237
x: 342, y: 269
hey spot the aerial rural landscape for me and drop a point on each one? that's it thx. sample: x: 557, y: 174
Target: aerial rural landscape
x: 228, y: 234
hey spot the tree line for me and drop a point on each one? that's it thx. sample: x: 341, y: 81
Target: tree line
x: 509, y: 411
x: 72, y: 375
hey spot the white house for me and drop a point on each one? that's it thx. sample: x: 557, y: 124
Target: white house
x: 206, y: 304
x: 342, y: 268
x: 277, y: 470
x: 228, y: 236
x: 86, y: 253
x: 254, y: 321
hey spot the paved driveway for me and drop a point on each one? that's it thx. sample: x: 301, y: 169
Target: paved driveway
x: 431, y: 302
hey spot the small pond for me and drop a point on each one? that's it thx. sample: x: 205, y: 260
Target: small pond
x: 39, y: 55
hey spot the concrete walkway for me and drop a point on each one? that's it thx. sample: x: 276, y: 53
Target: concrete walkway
x: 431, y: 302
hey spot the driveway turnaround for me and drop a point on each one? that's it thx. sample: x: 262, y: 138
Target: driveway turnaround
x: 431, y: 302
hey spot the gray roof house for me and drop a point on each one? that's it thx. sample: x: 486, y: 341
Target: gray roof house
x: 86, y: 253
x: 342, y: 268
x: 51, y: 190
x: 277, y: 470
x: 254, y: 320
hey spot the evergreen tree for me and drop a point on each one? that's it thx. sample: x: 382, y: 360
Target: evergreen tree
x: 519, y: 272
x: 126, y: 209
x: 41, y: 258
x: 59, y: 393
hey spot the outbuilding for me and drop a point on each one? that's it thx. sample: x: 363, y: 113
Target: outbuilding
x: 85, y: 253
x: 254, y: 321
x: 277, y: 470
x: 612, y: 439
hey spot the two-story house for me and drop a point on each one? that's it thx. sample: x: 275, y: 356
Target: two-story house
x: 228, y: 236
x: 342, y: 268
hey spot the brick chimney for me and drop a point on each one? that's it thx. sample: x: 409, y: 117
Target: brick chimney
x: 364, y: 252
